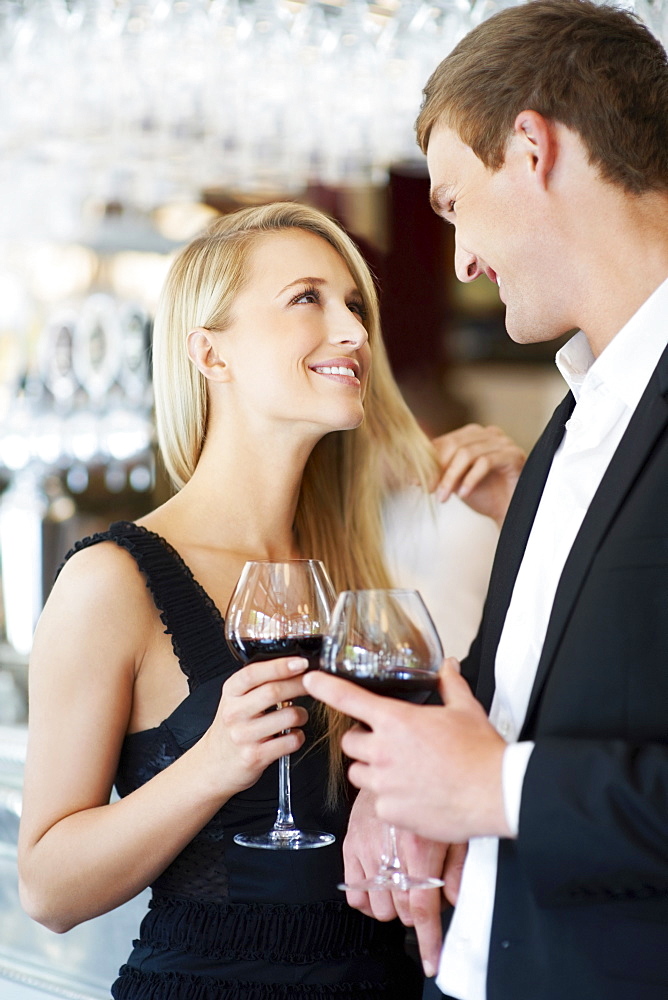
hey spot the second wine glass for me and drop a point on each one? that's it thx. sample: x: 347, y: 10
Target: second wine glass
x: 385, y: 641
x: 281, y: 609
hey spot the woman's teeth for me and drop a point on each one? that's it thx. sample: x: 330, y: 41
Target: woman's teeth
x: 336, y: 370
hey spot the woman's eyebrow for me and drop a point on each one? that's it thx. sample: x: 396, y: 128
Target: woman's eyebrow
x: 303, y: 281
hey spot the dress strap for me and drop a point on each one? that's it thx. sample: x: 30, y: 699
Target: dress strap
x: 188, y: 613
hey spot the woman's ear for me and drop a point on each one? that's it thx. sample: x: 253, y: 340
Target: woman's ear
x: 203, y: 352
x: 538, y: 141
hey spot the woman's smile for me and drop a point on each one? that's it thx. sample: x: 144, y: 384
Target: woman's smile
x: 342, y: 370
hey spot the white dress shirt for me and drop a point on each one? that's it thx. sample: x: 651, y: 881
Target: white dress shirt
x: 607, y: 390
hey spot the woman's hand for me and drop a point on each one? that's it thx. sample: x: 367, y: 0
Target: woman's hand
x: 419, y: 908
x: 248, y: 732
x: 481, y: 465
x: 96, y: 631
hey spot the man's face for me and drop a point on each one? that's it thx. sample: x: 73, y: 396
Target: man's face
x: 503, y: 231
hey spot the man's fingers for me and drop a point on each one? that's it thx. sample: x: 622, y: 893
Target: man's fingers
x: 345, y: 696
x: 358, y: 774
x: 354, y: 744
x: 454, y: 690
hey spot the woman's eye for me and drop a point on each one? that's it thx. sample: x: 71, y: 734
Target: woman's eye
x: 358, y: 309
x: 311, y: 295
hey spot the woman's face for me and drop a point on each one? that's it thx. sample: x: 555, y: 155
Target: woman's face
x: 297, y: 348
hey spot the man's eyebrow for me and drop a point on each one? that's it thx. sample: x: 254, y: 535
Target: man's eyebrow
x: 437, y: 196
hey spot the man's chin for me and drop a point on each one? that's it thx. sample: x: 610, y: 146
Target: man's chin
x: 523, y: 332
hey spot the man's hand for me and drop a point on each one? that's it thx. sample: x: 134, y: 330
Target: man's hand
x: 420, y: 908
x: 435, y: 770
x: 480, y: 464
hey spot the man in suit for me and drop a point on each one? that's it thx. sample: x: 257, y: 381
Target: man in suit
x: 546, y: 133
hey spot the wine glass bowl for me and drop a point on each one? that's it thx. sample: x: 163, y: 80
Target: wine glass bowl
x: 385, y: 641
x: 281, y: 609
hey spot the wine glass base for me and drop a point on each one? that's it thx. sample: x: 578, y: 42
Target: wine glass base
x: 285, y: 840
x: 392, y: 882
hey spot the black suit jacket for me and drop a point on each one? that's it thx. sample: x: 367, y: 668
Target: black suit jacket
x: 581, y: 909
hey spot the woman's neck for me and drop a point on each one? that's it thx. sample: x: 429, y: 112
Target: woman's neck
x: 243, y: 496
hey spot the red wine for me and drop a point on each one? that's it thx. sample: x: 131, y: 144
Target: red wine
x: 251, y: 650
x: 408, y: 685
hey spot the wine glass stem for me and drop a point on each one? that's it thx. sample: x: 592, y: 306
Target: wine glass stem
x: 390, y: 862
x: 284, y: 819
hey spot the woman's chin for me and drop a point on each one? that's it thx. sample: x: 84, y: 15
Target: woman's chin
x: 352, y: 423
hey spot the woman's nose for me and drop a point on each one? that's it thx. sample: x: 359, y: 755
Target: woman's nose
x: 467, y: 267
x: 349, y: 330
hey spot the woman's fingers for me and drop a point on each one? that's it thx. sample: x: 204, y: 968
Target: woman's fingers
x: 269, y: 725
x: 265, y: 698
x: 255, y: 675
x: 283, y: 745
x: 258, y: 687
x: 256, y: 721
x: 471, y: 453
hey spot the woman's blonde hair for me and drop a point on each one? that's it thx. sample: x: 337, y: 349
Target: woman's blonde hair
x: 338, y: 517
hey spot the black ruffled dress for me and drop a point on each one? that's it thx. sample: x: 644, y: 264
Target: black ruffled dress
x: 228, y: 922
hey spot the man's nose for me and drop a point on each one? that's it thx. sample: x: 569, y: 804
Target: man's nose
x: 467, y: 267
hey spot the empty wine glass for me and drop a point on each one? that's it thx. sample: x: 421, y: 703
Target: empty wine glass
x: 385, y: 641
x: 281, y: 609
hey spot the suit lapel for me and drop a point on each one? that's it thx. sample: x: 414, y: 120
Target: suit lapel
x: 647, y: 423
x: 512, y: 542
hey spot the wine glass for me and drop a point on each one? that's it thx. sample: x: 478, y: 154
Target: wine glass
x: 385, y: 641
x: 281, y: 609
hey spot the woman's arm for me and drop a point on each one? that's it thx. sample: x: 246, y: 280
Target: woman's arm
x: 79, y: 855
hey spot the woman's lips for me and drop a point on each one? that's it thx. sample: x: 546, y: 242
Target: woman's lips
x: 343, y: 370
x: 338, y: 373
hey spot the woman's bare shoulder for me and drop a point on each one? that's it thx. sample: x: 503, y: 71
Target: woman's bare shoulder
x: 99, y: 593
x: 102, y: 559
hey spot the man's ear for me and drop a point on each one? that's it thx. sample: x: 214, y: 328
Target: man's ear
x: 538, y: 142
x: 203, y: 352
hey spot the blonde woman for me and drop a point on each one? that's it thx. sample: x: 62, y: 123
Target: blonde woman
x: 274, y: 456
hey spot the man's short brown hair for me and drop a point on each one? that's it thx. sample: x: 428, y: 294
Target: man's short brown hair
x: 596, y: 69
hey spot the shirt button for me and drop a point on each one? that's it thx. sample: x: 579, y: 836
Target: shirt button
x: 504, y: 727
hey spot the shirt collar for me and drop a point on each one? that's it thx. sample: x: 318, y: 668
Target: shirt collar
x: 627, y: 363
